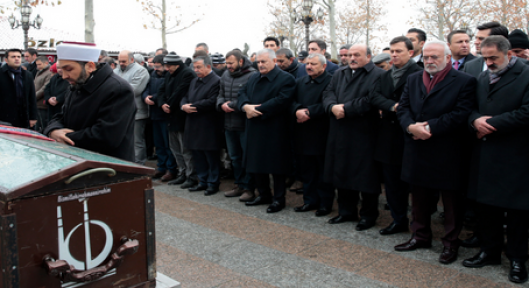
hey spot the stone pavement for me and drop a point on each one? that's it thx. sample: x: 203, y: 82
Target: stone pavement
x: 219, y: 242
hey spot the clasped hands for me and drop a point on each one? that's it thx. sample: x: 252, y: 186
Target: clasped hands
x: 420, y: 131
x: 251, y: 112
x: 483, y: 127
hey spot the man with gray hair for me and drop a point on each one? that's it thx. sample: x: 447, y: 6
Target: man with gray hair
x: 287, y: 62
x: 433, y: 110
x: 265, y: 99
x: 310, y: 129
x: 500, y: 163
x: 344, y: 57
x: 202, y: 133
x: 138, y: 77
x: 349, y: 160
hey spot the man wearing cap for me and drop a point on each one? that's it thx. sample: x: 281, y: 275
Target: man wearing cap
x: 18, y: 106
x: 99, y: 110
x: 175, y: 87
x: 302, y: 55
x: 138, y: 77
x: 219, y: 62
x: 382, y: 60
x: 519, y: 43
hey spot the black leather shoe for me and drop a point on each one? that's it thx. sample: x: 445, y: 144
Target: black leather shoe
x: 472, y: 242
x: 394, y: 228
x: 448, y: 255
x: 158, y: 175
x: 305, y: 208
x: 322, y: 212
x: 482, y: 259
x: 364, y: 224
x: 411, y: 245
x: 188, y: 184
x: 199, y: 187
x: 179, y: 180
x: 211, y: 190
x: 518, y: 273
x: 259, y: 201
x: 275, y: 207
x: 340, y: 219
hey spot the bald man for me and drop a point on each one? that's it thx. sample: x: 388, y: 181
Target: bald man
x: 138, y: 77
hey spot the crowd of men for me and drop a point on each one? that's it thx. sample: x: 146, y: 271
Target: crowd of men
x: 426, y: 118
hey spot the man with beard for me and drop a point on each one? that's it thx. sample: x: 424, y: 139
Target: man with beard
x: 500, y: 162
x: 349, y: 158
x: 390, y: 141
x: 99, y: 110
x: 433, y: 110
x: 166, y: 166
x: 239, y: 71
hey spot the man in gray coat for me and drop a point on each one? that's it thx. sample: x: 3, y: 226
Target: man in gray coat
x: 239, y: 71
x: 138, y: 77
x: 349, y: 160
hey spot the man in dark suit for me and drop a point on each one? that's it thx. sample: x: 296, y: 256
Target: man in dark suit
x: 390, y: 141
x: 477, y: 65
x: 310, y: 130
x: 500, y: 162
x: 30, y: 56
x: 317, y: 46
x: 459, y: 43
x: 433, y: 110
x: 265, y: 99
x: 349, y: 157
x: 18, y: 106
x: 417, y: 38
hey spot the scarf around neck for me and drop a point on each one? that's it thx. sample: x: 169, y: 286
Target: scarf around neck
x: 495, y: 77
x: 430, y: 83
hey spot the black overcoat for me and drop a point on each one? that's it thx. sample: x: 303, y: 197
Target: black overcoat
x: 349, y: 157
x: 11, y: 111
x: 57, y: 87
x: 310, y: 137
x: 390, y: 138
x: 101, y: 112
x: 441, y: 162
x: 266, y: 145
x: 175, y: 87
x: 500, y: 161
x: 203, y: 128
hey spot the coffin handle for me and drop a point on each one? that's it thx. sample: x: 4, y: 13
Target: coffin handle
x: 67, y: 273
x: 111, y: 172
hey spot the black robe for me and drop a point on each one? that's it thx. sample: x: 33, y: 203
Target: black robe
x: 267, y: 145
x: 349, y: 159
x: 101, y: 113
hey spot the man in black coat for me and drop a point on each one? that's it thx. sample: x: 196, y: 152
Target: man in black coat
x: 287, y: 62
x: 433, y: 110
x: 18, y: 106
x: 175, y: 87
x: 99, y: 110
x: 54, y: 93
x: 202, y: 134
x: 349, y: 160
x: 310, y: 130
x: 500, y: 162
x: 265, y: 99
x: 30, y: 56
x: 459, y: 43
x: 390, y: 139
x: 477, y: 65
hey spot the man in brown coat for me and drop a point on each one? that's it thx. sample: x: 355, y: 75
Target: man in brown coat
x: 41, y: 80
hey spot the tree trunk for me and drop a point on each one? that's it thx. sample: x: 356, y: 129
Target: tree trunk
x: 89, y: 21
x: 440, y: 20
x: 332, y: 27
x: 291, y: 29
x: 164, y: 25
x: 368, y: 22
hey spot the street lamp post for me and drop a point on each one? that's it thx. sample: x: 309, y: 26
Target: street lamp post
x: 307, y: 18
x: 25, y: 12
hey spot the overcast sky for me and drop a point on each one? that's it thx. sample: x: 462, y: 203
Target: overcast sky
x: 225, y: 24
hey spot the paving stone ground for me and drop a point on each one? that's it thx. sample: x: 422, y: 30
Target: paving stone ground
x: 214, y: 241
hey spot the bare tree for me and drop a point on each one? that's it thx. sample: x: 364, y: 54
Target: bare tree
x: 284, y: 22
x: 167, y: 17
x: 513, y: 14
x: 331, y: 13
x: 89, y: 22
x: 439, y: 17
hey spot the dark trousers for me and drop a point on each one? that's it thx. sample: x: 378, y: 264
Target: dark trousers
x: 397, y: 193
x: 315, y: 191
x: 234, y: 140
x: 207, y: 165
x: 490, y: 227
x: 421, y: 212
x: 262, y: 182
x: 149, y: 138
x: 348, y: 204
x: 42, y: 120
x: 166, y: 160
